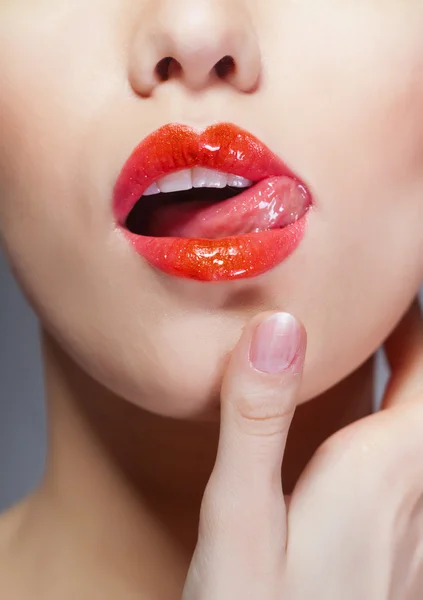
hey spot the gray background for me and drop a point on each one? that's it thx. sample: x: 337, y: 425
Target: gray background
x: 22, y: 423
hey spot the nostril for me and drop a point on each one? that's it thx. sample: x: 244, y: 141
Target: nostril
x: 167, y: 67
x: 226, y: 66
x: 162, y: 68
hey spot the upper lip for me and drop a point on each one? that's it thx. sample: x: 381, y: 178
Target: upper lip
x: 224, y: 147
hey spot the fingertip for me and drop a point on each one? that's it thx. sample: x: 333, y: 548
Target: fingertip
x: 276, y: 343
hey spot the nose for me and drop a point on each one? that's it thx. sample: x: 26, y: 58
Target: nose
x: 196, y: 41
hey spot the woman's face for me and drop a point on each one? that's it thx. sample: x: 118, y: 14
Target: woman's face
x: 335, y: 89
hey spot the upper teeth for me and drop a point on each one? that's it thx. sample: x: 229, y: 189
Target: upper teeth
x: 198, y: 177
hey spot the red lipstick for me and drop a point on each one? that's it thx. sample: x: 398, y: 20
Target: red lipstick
x: 266, y: 221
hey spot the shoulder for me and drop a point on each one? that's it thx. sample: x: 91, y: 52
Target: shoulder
x: 10, y: 522
x: 10, y: 526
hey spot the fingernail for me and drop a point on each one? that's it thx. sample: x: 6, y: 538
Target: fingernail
x: 275, y: 343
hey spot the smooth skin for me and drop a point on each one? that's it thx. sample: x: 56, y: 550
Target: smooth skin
x: 353, y: 528
x: 334, y: 87
x: 134, y: 361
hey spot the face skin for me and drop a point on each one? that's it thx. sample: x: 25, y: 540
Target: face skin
x: 338, y: 95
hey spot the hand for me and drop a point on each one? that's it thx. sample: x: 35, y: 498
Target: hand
x: 356, y: 518
x: 354, y: 526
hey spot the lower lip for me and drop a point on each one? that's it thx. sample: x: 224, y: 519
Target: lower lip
x: 226, y: 259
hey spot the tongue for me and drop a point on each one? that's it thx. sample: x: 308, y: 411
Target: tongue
x: 270, y: 204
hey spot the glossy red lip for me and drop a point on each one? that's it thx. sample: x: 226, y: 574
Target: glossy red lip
x: 223, y: 147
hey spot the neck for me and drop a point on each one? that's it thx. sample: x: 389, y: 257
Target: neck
x: 125, y: 486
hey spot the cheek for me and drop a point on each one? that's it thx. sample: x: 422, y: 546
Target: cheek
x: 357, y: 137
x: 346, y: 88
x: 358, y: 100
x: 352, y: 123
x: 360, y: 140
x: 52, y: 95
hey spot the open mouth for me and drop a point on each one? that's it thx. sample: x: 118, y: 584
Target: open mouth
x: 172, y: 205
x: 214, y: 206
